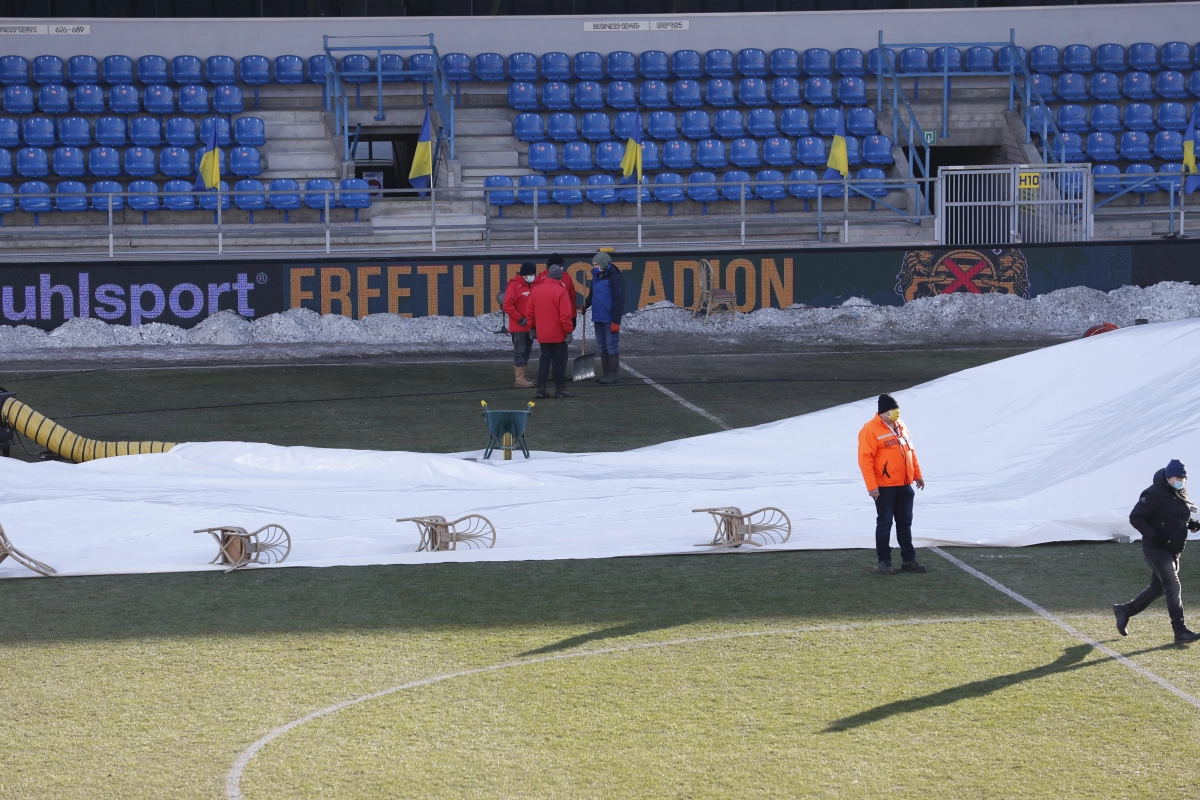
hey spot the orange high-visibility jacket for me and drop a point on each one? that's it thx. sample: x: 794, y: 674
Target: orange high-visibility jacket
x: 885, y: 458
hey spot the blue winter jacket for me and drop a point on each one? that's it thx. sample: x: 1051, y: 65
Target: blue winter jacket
x: 607, y: 298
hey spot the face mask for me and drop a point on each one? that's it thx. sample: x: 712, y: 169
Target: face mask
x: 1179, y: 483
x: 528, y: 278
x: 596, y: 270
x: 893, y: 415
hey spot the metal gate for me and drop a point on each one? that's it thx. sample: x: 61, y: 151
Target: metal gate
x: 1014, y: 204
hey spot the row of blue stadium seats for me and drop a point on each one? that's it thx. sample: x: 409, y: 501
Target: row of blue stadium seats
x: 776, y: 151
x: 107, y: 162
x: 1107, y: 117
x: 123, y: 98
x: 284, y: 194
x: 1109, y: 86
x: 1107, y: 179
x: 728, y: 123
x: 144, y: 131
x: 154, y: 70
x: 1142, y: 56
x: 688, y: 93
x: 1133, y: 146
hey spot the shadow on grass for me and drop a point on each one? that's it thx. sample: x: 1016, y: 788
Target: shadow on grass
x: 603, y: 634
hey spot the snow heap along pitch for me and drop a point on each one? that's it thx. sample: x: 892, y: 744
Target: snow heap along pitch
x: 1051, y: 445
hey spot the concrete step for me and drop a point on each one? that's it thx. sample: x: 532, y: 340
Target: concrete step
x: 474, y: 114
x: 482, y: 127
x: 483, y: 172
x: 281, y: 145
x: 323, y: 162
x: 419, y: 209
x: 419, y: 221
x: 487, y: 158
x: 301, y: 175
x: 296, y: 130
x: 268, y: 115
x: 475, y: 143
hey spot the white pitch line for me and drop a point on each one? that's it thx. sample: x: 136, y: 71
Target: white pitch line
x: 1025, y: 601
x: 691, y: 406
x: 233, y: 780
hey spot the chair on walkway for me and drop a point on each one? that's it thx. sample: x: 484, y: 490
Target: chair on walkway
x: 735, y: 529
x: 438, y: 534
x: 711, y: 298
x: 270, y: 544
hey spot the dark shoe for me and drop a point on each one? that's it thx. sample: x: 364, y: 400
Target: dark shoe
x: 611, y: 368
x: 602, y: 373
x: 913, y: 566
x: 886, y: 568
x: 562, y: 394
x: 540, y: 394
x: 1183, y: 635
x: 1122, y: 618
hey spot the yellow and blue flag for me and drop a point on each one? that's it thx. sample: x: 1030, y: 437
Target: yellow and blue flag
x: 1189, y: 156
x: 208, y: 174
x: 632, y: 162
x: 421, y: 174
x: 839, y: 162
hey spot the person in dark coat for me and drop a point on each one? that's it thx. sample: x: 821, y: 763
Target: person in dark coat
x: 516, y: 306
x: 551, y: 315
x: 607, y: 301
x: 1163, y: 515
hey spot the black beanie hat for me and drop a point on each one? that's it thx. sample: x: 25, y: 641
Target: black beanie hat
x: 887, y: 403
x: 554, y: 258
x: 528, y: 268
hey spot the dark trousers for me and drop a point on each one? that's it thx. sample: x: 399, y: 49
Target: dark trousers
x: 522, y: 347
x: 552, y: 355
x: 1164, y: 580
x: 894, y: 502
x: 606, y: 340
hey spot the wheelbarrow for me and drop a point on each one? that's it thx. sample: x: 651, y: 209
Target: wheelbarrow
x: 506, y: 430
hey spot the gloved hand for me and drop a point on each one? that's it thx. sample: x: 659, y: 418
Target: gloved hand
x: 1193, y: 525
x: 568, y: 338
x: 522, y: 322
x: 615, y: 327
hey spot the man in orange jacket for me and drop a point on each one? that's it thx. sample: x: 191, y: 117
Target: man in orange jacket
x: 889, y: 466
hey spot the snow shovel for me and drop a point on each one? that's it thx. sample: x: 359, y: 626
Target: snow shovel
x: 584, y: 366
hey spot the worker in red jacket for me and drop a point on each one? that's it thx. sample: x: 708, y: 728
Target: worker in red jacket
x: 516, y: 306
x: 562, y: 277
x: 552, y: 318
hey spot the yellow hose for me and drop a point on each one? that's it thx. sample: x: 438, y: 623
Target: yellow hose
x: 57, y: 439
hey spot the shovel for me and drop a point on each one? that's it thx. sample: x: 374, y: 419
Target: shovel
x: 584, y: 366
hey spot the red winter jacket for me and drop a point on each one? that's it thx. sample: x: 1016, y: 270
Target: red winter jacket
x: 516, y: 304
x: 568, y: 284
x: 550, y: 312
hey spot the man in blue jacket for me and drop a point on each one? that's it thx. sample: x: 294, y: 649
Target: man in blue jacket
x: 607, y: 301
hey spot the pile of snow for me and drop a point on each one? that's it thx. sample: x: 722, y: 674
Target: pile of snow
x: 1055, y: 444
x: 1064, y: 313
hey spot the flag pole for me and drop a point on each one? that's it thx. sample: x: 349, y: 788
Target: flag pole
x: 639, y: 207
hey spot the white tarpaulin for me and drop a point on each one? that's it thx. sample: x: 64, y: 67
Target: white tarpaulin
x: 1052, y: 445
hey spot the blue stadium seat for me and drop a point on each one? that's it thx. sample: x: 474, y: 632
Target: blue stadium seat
x: 654, y: 64
x: 527, y: 127
x: 8, y: 203
x: 1137, y: 86
x: 785, y: 62
x: 601, y: 190
x: 861, y: 121
x: 596, y: 127
x: 457, y: 67
x: 10, y: 132
x: 198, y: 156
x: 718, y: 63
x: 1143, y: 57
x: 703, y: 188
x: 1194, y: 83
x: 825, y: 121
x: 621, y: 65
x: 1171, y: 116
x: 802, y: 184
x: 1171, y: 177
x: 818, y: 91
x: 850, y: 61
x: 696, y: 125
x: 111, y: 131
x: 391, y: 67
x: 1043, y: 86
x: 875, y: 62
x: 35, y: 198
x: 710, y: 153
x: 719, y: 92
x: 752, y: 92
x: 256, y: 70
x: 139, y: 162
x: 567, y: 191
x: 752, y: 62
x: 1139, y: 117
x: 105, y: 191
x: 1045, y: 58
x: 852, y: 91
x: 1168, y: 145
x: 1105, y: 86
x: 250, y: 131
x: 220, y: 70
x: 123, y: 99
x: 589, y: 95
x: 1072, y: 87
x: 795, y: 122
x: 68, y: 162
x: 1105, y: 117
x: 1106, y: 179
x: 624, y: 123
x: 727, y: 124
x: 82, y: 69
x: 250, y: 195
x: 668, y: 188
x: 318, y: 65
x: 543, y: 156
x: 677, y: 154
x: 53, y: 98
x: 777, y: 151
x: 1073, y: 118
x: 1009, y: 54
x: 39, y: 132
x: 589, y: 66
x: 89, y: 99
x: 207, y: 200
x: 981, y: 59
x: 159, y: 99
x: 145, y: 131
x: 227, y: 100
x: 877, y: 149
x: 949, y: 59
x: 70, y: 197
x: 522, y: 96
x: 853, y: 151
x: 1078, y: 58
x: 687, y: 93
x: 1177, y: 56
x: 104, y: 162
x: 735, y: 184
x: 785, y: 91
x: 744, y: 153
x: 186, y: 70
x: 523, y: 67
x: 501, y: 191
x: 13, y: 70
x: 609, y: 155
x: 6, y: 163
x: 1102, y: 146
x: 528, y: 187
x: 1168, y: 84
x: 817, y: 61
x: 285, y: 196
x: 143, y: 197
x: 151, y: 70
x: 18, y: 99
x: 424, y: 64
x: 761, y: 123
x: 117, y: 69
x: 180, y: 131
x: 654, y: 94
x: 48, y: 69
x: 662, y: 125
x: 621, y: 95
x: 74, y: 131
x: 562, y: 127
x: 1111, y: 58
x: 245, y: 161
x: 687, y: 64
x: 914, y: 60
x: 489, y: 67
x: 289, y: 70
x: 650, y: 156
x: 810, y: 151
x: 870, y: 181
x: 1137, y: 174
x: 577, y: 156
x: 629, y: 194
x: 175, y: 162
x: 1135, y: 145
x: 1069, y: 147
x: 178, y: 196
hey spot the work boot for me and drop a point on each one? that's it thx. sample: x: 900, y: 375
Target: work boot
x: 561, y: 393
x: 1183, y: 635
x: 912, y: 566
x: 612, y: 365
x: 602, y: 373
x: 540, y: 394
x: 1122, y: 618
x: 522, y: 381
x: 885, y: 568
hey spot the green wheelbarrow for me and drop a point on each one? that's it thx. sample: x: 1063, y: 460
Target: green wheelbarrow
x: 506, y: 430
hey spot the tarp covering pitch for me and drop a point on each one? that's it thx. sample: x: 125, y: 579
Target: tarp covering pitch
x: 1051, y: 445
